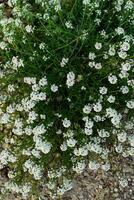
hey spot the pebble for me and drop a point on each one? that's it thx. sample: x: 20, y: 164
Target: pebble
x: 105, y: 186
x: 99, y: 185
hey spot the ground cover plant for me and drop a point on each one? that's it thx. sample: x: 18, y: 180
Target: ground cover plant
x: 66, y: 90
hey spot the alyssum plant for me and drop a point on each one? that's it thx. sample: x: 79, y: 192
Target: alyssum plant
x: 66, y: 90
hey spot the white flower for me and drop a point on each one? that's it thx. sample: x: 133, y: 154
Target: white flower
x: 35, y: 87
x: 3, y: 45
x: 70, y: 79
x: 97, y: 118
x: 122, y: 136
x: 86, y: 2
x: 123, y: 74
x: 111, y: 99
x: 93, y: 165
x: 110, y: 112
x: 68, y: 24
x: 126, y: 66
x: 91, y: 64
x: 91, y: 56
x: 88, y: 131
x: 80, y: 166
x: 25, y: 189
x: 54, y: 88
x: 63, y: 147
x: 43, y: 146
x: 83, y: 151
x: 87, y: 108
x: 119, y: 30
x: 11, y: 88
x: 76, y: 152
x: 36, y: 153
x: 5, y: 118
x: 98, y: 66
x: 103, y: 133
x: 122, y: 54
x: 111, y: 51
x: 124, y: 89
x: 71, y: 142
x: 26, y: 152
x: 112, y: 79
x: 32, y: 116
x: 125, y: 46
x: 41, y: 96
x: 17, y: 63
x: 97, y: 107
x: 42, y: 46
x: 129, y: 5
x: 131, y: 140
x: 29, y: 29
x: 103, y: 90
x: 39, y: 130
x: 64, y: 62
x: 66, y: 123
x: 116, y: 120
x: 43, y: 81
x: 89, y: 124
x: 83, y: 88
x: 130, y: 104
x: 30, y: 80
x: 119, y: 148
x: 43, y: 116
x: 37, y: 172
x: 10, y: 109
x: 98, y: 45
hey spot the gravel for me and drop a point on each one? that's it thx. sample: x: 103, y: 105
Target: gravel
x: 102, y: 185
x: 98, y: 185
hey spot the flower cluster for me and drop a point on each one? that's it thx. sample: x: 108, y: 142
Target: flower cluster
x: 67, y: 91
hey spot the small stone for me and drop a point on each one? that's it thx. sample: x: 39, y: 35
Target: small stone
x: 115, y: 195
x: 116, y: 189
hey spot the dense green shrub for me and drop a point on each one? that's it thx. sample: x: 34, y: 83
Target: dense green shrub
x: 66, y: 82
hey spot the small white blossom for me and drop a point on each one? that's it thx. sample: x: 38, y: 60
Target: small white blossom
x: 93, y: 165
x: 70, y: 79
x: 66, y: 123
x: 63, y: 147
x: 126, y: 66
x: 88, y: 131
x: 91, y: 56
x: 119, y: 31
x: 125, y: 46
x: 124, y: 89
x: 98, y: 66
x: 130, y: 104
x: 68, y: 24
x: 98, y: 45
x: 43, y: 81
x: 87, y: 109
x: 71, y: 142
x: 54, y: 88
x: 122, y: 136
x: 103, y: 90
x: 112, y: 79
x: 97, y: 107
x: 122, y: 54
x: 29, y: 29
x: 111, y: 51
x: 64, y: 62
x: 111, y: 99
